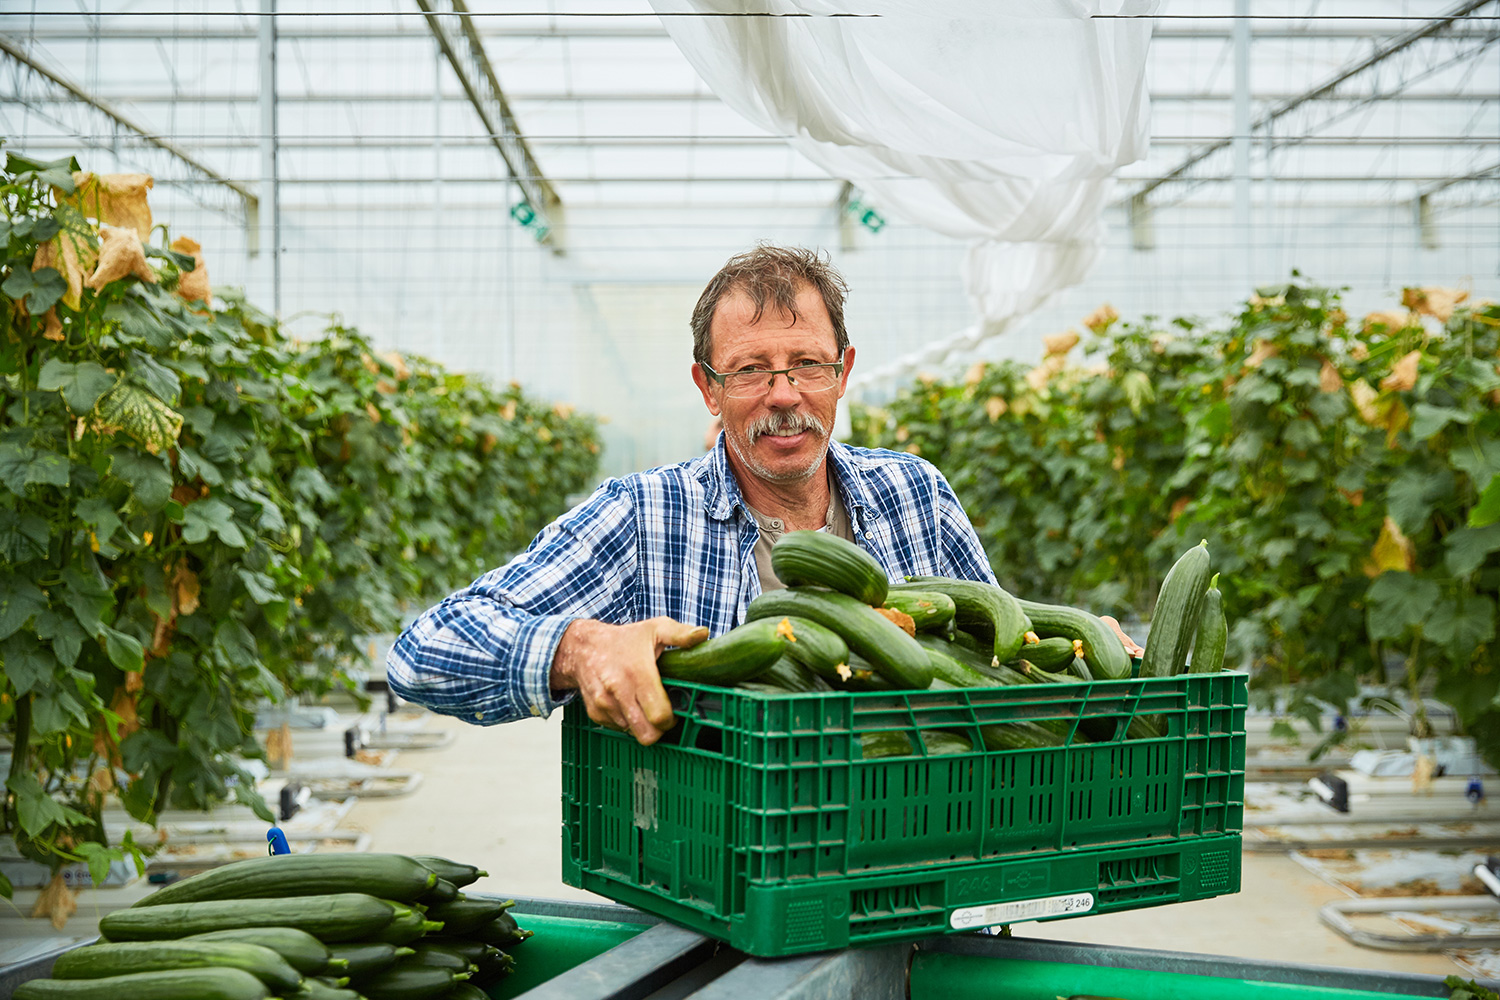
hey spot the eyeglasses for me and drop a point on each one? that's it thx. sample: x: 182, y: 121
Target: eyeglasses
x: 750, y: 382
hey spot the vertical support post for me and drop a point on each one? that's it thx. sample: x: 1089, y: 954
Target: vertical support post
x: 438, y: 316
x: 844, y: 222
x: 1142, y: 232
x: 1426, y: 228
x: 1241, y: 141
x: 270, y: 187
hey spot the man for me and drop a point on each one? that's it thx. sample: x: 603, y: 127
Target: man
x: 671, y: 556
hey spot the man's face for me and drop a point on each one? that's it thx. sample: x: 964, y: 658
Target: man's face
x: 781, y: 435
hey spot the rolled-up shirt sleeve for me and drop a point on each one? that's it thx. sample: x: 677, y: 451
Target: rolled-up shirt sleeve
x: 485, y: 653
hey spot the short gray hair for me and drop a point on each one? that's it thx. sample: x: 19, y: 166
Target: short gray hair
x: 772, y: 275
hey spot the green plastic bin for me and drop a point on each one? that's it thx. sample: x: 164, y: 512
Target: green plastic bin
x: 757, y: 820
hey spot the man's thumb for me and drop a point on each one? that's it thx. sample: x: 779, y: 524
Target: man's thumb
x: 677, y: 634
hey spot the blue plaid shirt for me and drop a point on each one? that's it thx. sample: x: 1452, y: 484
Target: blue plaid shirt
x: 676, y: 541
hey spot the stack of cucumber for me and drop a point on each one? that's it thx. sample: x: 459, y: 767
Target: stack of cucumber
x: 840, y: 625
x: 306, y: 926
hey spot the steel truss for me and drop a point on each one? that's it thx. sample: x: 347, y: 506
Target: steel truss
x: 96, y: 124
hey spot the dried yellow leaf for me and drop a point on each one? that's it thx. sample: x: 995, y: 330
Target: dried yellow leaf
x: 1364, y: 396
x: 120, y: 254
x: 1100, y: 319
x: 1264, y: 351
x: 52, y: 326
x: 398, y: 363
x: 995, y: 407
x: 185, y: 582
x: 1359, y: 352
x: 975, y: 374
x: 1060, y: 343
x: 279, y: 747
x: 372, y: 413
x: 1329, y: 379
x: 56, y: 902
x: 1118, y: 462
x: 902, y: 434
x: 72, y: 257
x: 114, y: 199
x: 193, y: 287
x: 508, y: 411
x: 102, y: 780
x: 1391, y: 320
x: 1436, y: 302
x: 1403, y: 376
x: 1393, y: 551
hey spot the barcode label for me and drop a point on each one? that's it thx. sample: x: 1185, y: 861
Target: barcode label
x: 970, y: 917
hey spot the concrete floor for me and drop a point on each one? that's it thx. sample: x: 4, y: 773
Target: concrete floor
x: 493, y: 798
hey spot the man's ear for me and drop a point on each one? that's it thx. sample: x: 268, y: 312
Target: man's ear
x: 705, y: 387
x: 848, y: 367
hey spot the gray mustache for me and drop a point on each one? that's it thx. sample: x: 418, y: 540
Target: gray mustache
x: 789, y: 422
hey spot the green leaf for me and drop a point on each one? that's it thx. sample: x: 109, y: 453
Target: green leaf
x: 35, y: 809
x: 100, y: 514
x: 22, y: 466
x: 1461, y: 624
x: 23, y: 537
x: 148, y: 476
x: 1428, y: 420
x: 1468, y: 547
x: 234, y: 641
x: 81, y: 384
x: 65, y: 634
x: 1409, y: 499
x: 1397, y: 602
x: 157, y: 379
x: 211, y: 516
x: 125, y: 651
x: 41, y: 288
x: 27, y: 663
x: 1487, y: 510
x: 19, y: 600
x: 262, y: 588
x: 99, y: 858
x: 1478, y: 459
x: 141, y: 415
x: 56, y: 712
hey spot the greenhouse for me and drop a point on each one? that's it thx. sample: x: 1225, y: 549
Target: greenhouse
x: 807, y: 499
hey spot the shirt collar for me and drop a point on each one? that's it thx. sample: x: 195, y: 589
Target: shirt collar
x: 722, y: 491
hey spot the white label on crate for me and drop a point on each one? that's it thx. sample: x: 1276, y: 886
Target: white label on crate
x: 643, y: 798
x: 973, y: 917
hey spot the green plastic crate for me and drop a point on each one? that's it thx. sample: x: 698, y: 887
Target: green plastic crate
x: 757, y: 820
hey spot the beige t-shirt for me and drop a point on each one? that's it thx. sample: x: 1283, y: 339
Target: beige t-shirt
x: 836, y: 522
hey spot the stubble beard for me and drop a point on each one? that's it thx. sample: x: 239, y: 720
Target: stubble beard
x: 785, y: 421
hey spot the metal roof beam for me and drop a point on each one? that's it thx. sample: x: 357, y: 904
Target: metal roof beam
x: 58, y: 90
x: 487, y: 27
x: 1185, y: 171
x: 455, y: 33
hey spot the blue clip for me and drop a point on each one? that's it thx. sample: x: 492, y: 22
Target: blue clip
x: 1340, y: 724
x: 276, y: 842
x: 1475, y: 791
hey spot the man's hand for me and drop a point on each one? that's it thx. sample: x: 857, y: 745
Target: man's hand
x: 1131, y: 646
x: 614, y: 668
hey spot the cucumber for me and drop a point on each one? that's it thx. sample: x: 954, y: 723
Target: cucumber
x: 1022, y: 734
x: 466, y: 991
x: 410, y: 982
x: 1050, y: 654
x: 1175, y: 620
x: 894, y: 654
x: 863, y: 677
x: 455, y: 872
x: 503, y: 932
x: 818, y: 559
x: 982, y: 608
x: 440, y: 893
x: 956, y: 673
x: 974, y: 643
x: 819, y: 649
x: 299, y: 949
x: 344, y: 916
x: 365, y: 958
x: 1102, y: 649
x: 389, y: 876
x: 737, y: 655
x: 172, y: 984
x: 786, y: 674
x: 1079, y: 667
x: 323, y: 988
x: 1213, y: 632
x: 465, y: 914
x: 928, y: 609
x: 433, y: 954
x: 898, y: 744
x: 490, y: 961
x: 974, y: 661
x: 405, y: 928
x: 1041, y: 676
x: 100, y: 960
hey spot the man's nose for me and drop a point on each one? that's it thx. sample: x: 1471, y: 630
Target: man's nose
x: 782, y: 393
